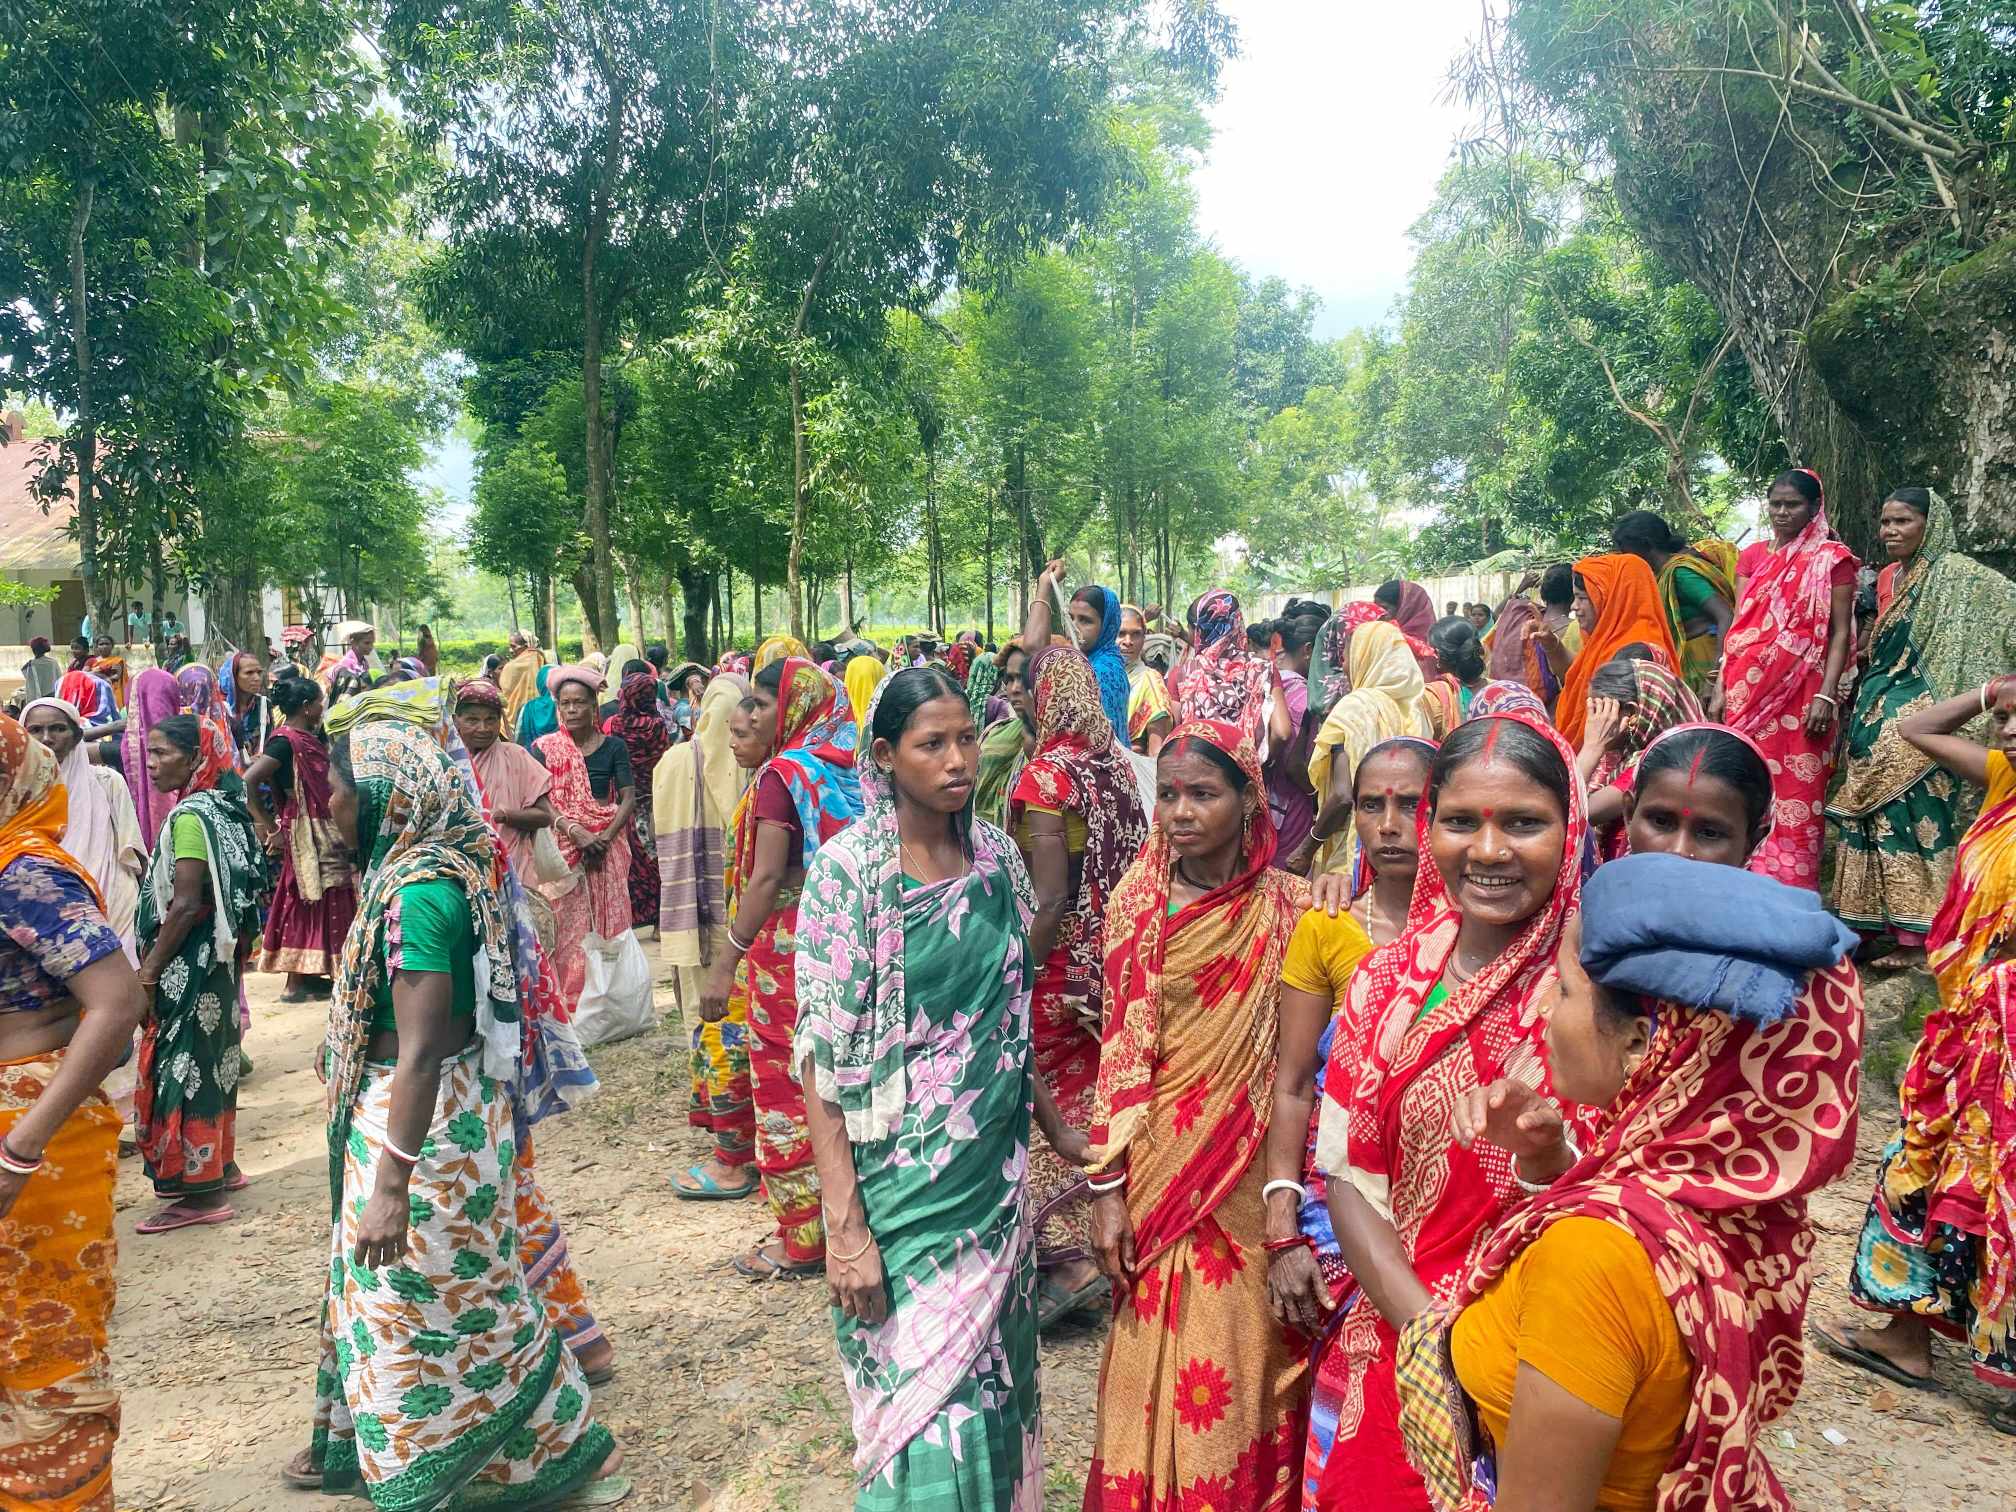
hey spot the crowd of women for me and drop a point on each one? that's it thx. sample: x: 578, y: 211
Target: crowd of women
x: 1419, y: 1037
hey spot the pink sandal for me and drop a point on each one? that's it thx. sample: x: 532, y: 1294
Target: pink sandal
x: 176, y: 1217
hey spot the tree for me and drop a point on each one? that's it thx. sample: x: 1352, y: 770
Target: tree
x: 523, y: 520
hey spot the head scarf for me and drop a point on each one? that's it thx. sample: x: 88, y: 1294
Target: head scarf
x: 620, y: 656
x: 1627, y: 610
x: 1516, y: 617
x: 480, y: 691
x: 1506, y: 698
x: 91, y: 834
x: 1961, y: 615
x: 596, y: 662
x: 812, y: 749
x: 777, y: 648
x: 639, y: 725
x: 34, y: 805
x: 1330, y: 669
x: 863, y: 675
x: 409, y: 668
x: 540, y: 716
x: 1416, y: 617
x: 90, y: 695
x: 296, y: 635
x: 417, y: 821
x: 1107, y: 662
x: 156, y: 695
x: 853, y: 1014
x: 1706, y: 1157
x: 416, y: 702
x: 213, y: 760
x: 584, y: 673
x: 959, y: 657
x: 200, y: 696
x: 1220, y: 680
x: 1663, y: 702
x: 1081, y: 769
x: 1383, y: 701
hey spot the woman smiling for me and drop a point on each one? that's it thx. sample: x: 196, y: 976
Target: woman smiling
x: 1454, y: 1004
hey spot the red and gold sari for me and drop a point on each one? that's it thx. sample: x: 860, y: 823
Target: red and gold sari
x: 1389, y: 1090
x: 1203, y: 1396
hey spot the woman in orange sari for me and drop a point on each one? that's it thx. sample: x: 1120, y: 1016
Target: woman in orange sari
x: 1782, y: 665
x: 69, y: 1003
x: 1453, y: 1005
x: 1617, y: 604
x: 1203, y: 1396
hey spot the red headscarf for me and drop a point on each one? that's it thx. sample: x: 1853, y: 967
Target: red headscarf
x: 1219, y: 679
x: 639, y: 725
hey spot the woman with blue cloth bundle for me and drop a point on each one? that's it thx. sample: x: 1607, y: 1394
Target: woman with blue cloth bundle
x: 1626, y: 1336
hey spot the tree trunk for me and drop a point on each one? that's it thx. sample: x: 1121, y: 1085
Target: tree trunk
x: 696, y: 596
x: 588, y: 590
x: 728, y: 592
x: 847, y: 591
x: 668, y: 604
x: 993, y: 504
x: 84, y: 434
x: 756, y: 589
x: 801, y: 482
x: 599, y: 596
x: 511, y: 594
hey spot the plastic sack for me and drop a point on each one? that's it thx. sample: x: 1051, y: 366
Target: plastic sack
x: 616, y: 1000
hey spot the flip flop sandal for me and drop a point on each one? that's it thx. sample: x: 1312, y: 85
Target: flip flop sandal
x: 305, y: 1480
x: 767, y: 1269
x: 163, y: 1223
x: 237, y: 1183
x: 1869, y: 1360
x: 710, y: 1190
x: 606, y: 1492
x: 1055, y: 1304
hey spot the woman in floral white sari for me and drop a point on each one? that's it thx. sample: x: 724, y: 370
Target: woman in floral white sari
x: 913, y: 1046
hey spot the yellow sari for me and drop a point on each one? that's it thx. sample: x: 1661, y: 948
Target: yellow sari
x: 1385, y: 701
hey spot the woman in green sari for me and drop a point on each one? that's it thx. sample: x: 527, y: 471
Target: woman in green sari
x: 913, y: 1046
x: 1697, y: 589
x: 199, y: 919
x: 1945, y: 624
x: 1004, y: 744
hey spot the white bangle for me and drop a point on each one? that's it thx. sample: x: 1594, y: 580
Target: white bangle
x: 1111, y: 1184
x: 1534, y: 1188
x: 1301, y: 1192
x: 399, y: 1154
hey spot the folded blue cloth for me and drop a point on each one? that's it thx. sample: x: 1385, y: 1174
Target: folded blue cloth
x: 1704, y: 936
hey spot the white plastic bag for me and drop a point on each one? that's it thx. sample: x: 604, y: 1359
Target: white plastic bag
x: 616, y: 995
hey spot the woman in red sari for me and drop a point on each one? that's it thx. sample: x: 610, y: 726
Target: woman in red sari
x: 647, y: 737
x: 1453, y: 1005
x: 1203, y: 1395
x: 593, y: 795
x: 316, y: 896
x: 1782, y: 664
x: 801, y: 797
x: 1076, y: 815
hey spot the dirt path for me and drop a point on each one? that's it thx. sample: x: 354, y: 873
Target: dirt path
x: 727, y: 1396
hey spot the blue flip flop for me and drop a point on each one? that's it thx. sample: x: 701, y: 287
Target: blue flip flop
x: 709, y: 1189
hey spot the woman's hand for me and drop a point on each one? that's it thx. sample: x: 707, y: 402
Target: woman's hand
x: 1819, y: 715
x: 714, y: 996
x: 1073, y: 1146
x: 381, y: 1232
x: 270, y: 839
x: 1715, y: 702
x: 856, y: 1285
x: 1330, y: 891
x: 1605, y: 723
x: 1295, y: 1290
x: 1113, y: 1237
x: 1515, y: 1118
x: 10, y: 1189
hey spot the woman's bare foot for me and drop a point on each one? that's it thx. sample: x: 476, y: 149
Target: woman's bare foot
x: 1904, y: 1344
x: 1073, y: 1275
x: 612, y: 1464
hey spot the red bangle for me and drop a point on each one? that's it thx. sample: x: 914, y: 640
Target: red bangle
x: 1275, y: 1246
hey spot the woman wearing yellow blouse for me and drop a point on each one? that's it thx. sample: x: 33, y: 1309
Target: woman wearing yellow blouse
x: 1330, y: 940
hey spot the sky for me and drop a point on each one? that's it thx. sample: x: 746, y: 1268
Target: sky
x: 1331, y: 130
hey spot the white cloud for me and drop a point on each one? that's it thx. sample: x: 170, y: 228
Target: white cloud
x: 1332, y: 128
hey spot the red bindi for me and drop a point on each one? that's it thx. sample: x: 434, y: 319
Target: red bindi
x: 1389, y: 792
x: 1686, y: 813
x: 1488, y: 813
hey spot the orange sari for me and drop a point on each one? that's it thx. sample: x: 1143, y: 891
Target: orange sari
x: 59, y: 1414
x: 1628, y: 610
x: 1203, y: 1396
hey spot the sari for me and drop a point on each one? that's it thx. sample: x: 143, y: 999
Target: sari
x: 1115, y: 691
x: 519, y: 681
x: 442, y: 1381
x: 1706, y: 1158
x: 644, y: 732
x: 914, y: 1017
x: 980, y: 685
x: 1664, y: 703
x: 1004, y: 747
x: 1502, y: 698
x: 90, y: 695
x: 540, y: 716
x: 1382, y: 700
x: 814, y: 747
x: 1627, y: 611
x: 1220, y: 679
x: 1772, y: 666
x: 1712, y: 561
x: 594, y: 900
x: 696, y: 790
x: 1415, y: 617
x: 1080, y: 773
x: 778, y: 648
x: 1147, y: 701
x: 59, y: 1412
x: 156, y: 695
x: 102, y: 831
x: 1947, y: 625
x: 113, y: 669
x: 1939, y: 1240
x: 862, y: 675
x: 200, y: 697
x: 315, y: 896
x: 186, y: 1100
x: 1393, y: 1075
x: 1202, y: 1395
